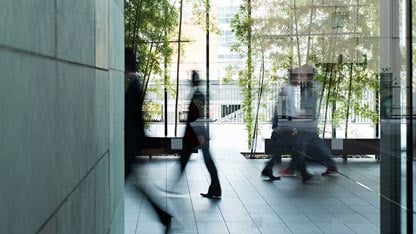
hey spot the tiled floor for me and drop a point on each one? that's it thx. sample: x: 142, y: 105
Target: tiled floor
x: 346, y: 203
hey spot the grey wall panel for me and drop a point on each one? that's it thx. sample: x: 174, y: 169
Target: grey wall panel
x: 75, y: 31
x: 116, y: 136
x: 102, y: 195
x: 26, y: 141
x: 51, y: 227
x: 75, y: 112
x: 116, y: 103
x: 21, y: 27
x: 101, y: 117
x: 116, y: 37
x: 117, y: 226
x: 116, y: 171
x: 117, y: 82
x: 116, y: 52
x: 101, y: 33
x: 77, y: 215
x: 62, y: 116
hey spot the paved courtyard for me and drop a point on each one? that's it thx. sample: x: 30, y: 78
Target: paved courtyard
x: 345, y: 203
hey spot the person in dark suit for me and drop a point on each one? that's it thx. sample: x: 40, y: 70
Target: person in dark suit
x: 197, y: 135
x: 134, y: 133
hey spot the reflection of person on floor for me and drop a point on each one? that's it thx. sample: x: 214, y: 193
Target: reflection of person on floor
x: 197, y: 135
x: 298, y: 129
x: 134, y: 133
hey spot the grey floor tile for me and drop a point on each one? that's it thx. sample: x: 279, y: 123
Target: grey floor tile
x: 274, y: 228
x: 130, y: 227
x: 237, y: 217
x: 365, y: 209
x: 248, y: 227
x: 131, y: 217
x: 206, y: 208
x: 367, y: 228
x: 212, y: 227
x: 149, y: 227
x: 233, y: 209
x: 373, y: 218
x: 184, y: 227
x: 286, y: 209
x: 352, y: 218
x: 294, y: 218
x: 323, y: 218
x: 208, y: 217
x: 334, y: 227
x: 304, y: 228
x: 256, y: 209
x: 147, y: 217
x: 180, y: 232
x: 339, y: 209
x: 313, y: 209
x: 261, y: 219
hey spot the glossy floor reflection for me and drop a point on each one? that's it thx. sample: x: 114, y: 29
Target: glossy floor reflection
x: 345, y: 203
x: 251, y: 205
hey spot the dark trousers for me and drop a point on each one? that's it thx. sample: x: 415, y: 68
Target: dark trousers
x: 215, y: 187
x: 284, y: 140
x: 129, y: 154
x: 313, y: 147
x: 294, y: 145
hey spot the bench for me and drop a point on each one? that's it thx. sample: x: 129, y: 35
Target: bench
x: 163, y: 146
x: 342, y: 147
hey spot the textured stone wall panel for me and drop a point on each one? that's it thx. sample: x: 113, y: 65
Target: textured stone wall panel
x: 27, y: 131
x: 101, y: 116
x: 62, y: 116
x: 117, y: 225
x: 76, y: 30
x: 75, y: 112
x: 77, y: 215
x: 22, y: 27
x: 101, y: 33
x: 116, y: 37
x: 102, y: 195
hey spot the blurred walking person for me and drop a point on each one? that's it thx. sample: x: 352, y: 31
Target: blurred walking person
x: 297, y: 129
x: 197, y: 135
x: 134, y: 133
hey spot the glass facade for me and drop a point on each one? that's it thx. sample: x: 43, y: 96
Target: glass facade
x: 361, y: 53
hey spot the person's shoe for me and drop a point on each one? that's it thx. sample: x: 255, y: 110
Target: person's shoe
x: 269, y: 174
x: 287, y: 172
x: 307, y: 177
x: 211, y: 196
x: 330, y: 171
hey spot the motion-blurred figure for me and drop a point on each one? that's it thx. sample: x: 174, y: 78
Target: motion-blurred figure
x: 197, y: 135
x: 134, y: 133
x: 297, y: 127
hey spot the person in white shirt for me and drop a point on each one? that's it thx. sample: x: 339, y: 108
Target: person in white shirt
x: 297, y: 126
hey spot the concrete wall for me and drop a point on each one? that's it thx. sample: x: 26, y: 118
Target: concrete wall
x: 61, y: 116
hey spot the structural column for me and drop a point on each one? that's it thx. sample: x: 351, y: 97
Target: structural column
x: 390, y: 113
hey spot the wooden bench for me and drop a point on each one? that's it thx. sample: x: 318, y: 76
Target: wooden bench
x: 342, y: 147
x: 163, y: 146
